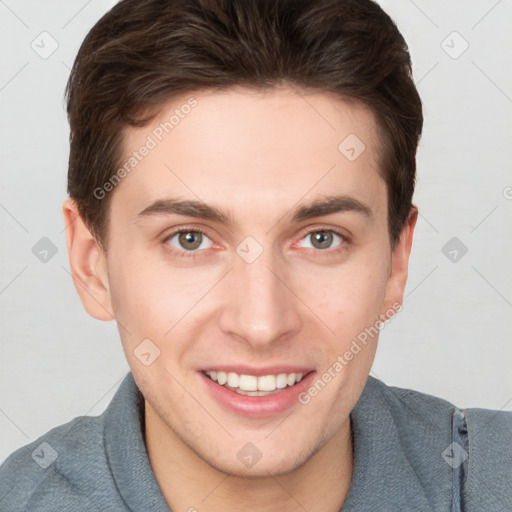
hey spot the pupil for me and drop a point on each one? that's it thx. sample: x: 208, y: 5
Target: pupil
x: 187, y: 239
x: 324, y: 239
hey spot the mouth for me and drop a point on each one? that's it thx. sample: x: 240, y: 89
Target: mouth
x: 257, y: 393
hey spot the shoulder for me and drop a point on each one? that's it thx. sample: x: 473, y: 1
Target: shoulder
x: 485, y: 427
x: 490, y: 425
x: 475, y: 443
x: 411, y: 407
x: 44, y: 474
x: 489, y: 479
x: 72, y: 467
x: 409, y: 401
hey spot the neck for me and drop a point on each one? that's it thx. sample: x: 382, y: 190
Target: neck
x: 190, y: 483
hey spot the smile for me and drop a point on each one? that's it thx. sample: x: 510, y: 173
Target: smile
x: 252, y: 385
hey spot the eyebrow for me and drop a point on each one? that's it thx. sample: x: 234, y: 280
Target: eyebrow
x: 324, y: 206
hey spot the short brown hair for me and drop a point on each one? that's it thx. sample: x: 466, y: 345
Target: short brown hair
x: 141, y: 54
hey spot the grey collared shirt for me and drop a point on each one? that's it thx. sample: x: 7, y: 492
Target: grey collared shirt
x: 413, y: 452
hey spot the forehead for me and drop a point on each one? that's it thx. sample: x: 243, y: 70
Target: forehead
x: 278, y: 145
x: 239, y: 112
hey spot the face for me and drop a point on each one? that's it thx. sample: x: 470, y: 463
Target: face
x: 247, y: 243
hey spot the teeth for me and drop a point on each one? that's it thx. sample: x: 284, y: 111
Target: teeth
x: 281, y: 381
x: 255, y: 384
x: 249, y: 383
x: 233, y: 379
x: 266, y: 383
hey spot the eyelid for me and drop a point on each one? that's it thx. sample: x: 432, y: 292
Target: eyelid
x: 179, y: 229
x: 339, y: 231
x: 184, y: 229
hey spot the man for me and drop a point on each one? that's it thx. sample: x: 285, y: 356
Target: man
x: 241, y: 177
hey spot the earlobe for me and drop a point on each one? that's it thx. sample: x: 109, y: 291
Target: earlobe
x: 400, y: 264
x: 88, y: 264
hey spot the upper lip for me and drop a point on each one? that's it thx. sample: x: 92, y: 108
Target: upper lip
x: 258, y: 372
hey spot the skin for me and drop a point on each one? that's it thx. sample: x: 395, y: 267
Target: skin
x: 257, y: 156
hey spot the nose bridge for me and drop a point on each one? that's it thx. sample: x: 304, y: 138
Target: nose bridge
x: 259, y: 307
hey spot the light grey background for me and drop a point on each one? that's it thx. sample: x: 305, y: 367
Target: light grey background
x: 453, y: 336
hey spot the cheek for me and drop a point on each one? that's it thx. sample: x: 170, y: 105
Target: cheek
x: 149, y: 297
x: 351, y: 309
x: 137, y: 294
x: 351, y: 295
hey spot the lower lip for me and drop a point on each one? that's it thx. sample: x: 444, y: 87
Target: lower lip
x: 257, y: 406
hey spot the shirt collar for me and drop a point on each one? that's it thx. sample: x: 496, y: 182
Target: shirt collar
x: 126, y: 450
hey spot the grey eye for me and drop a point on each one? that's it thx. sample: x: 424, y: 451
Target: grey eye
x: 322, y: 239
x: 189, y: 240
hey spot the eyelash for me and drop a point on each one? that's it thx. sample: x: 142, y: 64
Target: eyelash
x: 194, y: 254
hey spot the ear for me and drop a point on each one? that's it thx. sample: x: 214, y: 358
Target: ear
x: 88, y: 264
x: 399, y: 264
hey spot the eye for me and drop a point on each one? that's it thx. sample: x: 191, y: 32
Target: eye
x: 322, y: 239
x: 188, y: 240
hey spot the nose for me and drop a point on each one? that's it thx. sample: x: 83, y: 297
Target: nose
x: 259, y: 305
